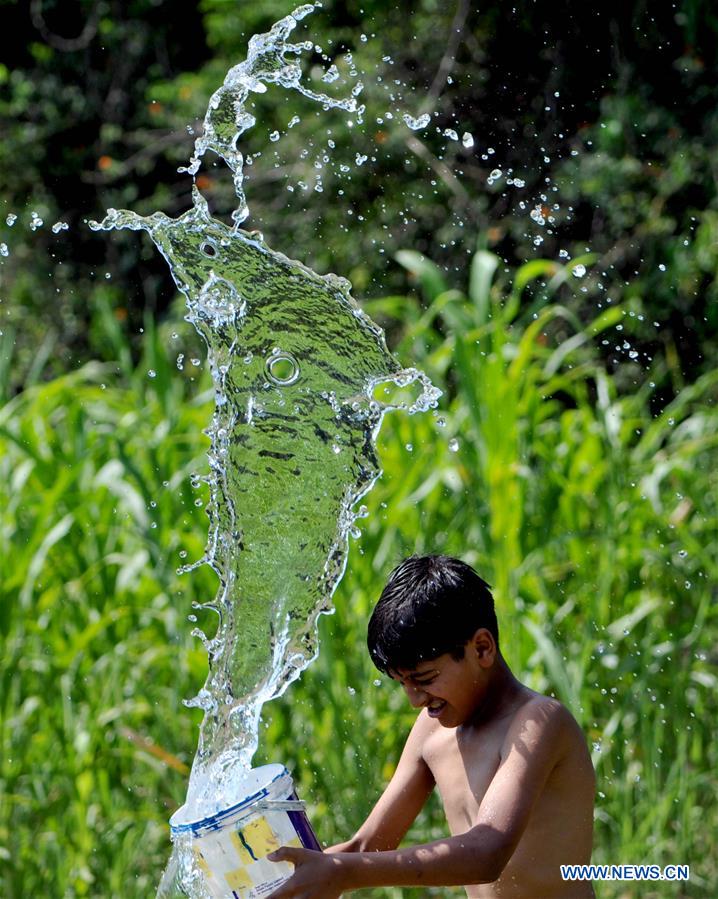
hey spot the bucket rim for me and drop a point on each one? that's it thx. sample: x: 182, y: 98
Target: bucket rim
x: 219, y: 818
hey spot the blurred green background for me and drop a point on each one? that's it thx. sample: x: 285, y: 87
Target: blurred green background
x: 571, y: 461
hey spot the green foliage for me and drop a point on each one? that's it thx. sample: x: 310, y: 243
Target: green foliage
x: 616, y: 155
x: 592, y: 517
x: 649, y: 180
x: 97, y: 511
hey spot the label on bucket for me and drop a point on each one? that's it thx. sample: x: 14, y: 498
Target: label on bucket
x: 231, y: 846
x: 234, y: 859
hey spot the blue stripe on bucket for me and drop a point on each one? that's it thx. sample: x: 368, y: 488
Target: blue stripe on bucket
x: 219, y: 819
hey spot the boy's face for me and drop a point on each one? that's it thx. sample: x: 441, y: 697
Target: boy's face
x: 451, y: 690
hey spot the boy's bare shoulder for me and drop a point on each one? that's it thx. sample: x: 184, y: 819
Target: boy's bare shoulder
x: 544, y: 735
x: 543, y: 721
x: 427, y: 736
x: 539, y: 724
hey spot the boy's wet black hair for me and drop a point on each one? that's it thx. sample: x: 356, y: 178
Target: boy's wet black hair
x: 431, y: 605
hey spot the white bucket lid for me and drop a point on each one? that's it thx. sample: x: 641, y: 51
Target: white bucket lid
x: 257, y: 784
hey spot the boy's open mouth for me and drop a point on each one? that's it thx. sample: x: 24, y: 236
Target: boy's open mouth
x: 436, y: 707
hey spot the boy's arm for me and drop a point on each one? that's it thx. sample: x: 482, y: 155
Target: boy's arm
x: 401, y: 801
x: 535, y: 743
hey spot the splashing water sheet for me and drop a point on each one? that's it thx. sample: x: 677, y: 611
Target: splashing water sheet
x: 295, y: 365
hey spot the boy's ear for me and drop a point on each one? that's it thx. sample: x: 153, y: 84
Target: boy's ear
x: 484, y: 645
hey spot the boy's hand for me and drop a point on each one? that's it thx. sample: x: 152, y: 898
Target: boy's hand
x: 316, y: 875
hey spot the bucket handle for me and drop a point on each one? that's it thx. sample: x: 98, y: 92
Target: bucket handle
x: 280, y: 805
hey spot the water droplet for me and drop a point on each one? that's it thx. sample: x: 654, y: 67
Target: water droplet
x: 282, y: 368
x: 331, y: 74
x: 274, y: 136
x: 467, y: 139
x: 152, y: 373
x: 453, y: 445
x: 360, y: 160
x: 451, y: 134
x: 4, y: 250
x: 295, y: 120
x: 183, y: 554
x: 11, y: 219
x: 417, y: 124
x: 409, y: 447
x: 578, y: 271
x: 60, y: 226
x: 682, y: 553
x: 494, y: 176
x: 35, y: 221
x: 662, y: 267
x: 376, y: 682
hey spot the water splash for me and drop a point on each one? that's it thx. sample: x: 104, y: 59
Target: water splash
x: 267, y: 62
x: 295, y: 365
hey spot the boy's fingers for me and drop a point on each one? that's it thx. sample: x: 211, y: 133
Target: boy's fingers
x: 286, y: 854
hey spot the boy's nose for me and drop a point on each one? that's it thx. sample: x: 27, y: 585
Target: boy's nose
x: 417, y: 696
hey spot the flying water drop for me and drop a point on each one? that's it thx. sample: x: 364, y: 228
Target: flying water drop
x: 417, y: 124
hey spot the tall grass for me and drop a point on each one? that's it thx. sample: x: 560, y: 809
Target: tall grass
x: 594, y: 520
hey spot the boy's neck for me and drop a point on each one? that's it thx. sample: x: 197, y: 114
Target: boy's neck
x: 505, y: 693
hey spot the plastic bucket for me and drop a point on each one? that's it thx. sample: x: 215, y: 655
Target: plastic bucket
x: 230, y: 847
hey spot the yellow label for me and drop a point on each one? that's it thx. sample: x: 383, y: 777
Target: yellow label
x: 238, y: 879
x: 199, y: 858
x: 260, y: 838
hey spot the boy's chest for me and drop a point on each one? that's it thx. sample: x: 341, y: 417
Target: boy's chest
x: 463, y: 765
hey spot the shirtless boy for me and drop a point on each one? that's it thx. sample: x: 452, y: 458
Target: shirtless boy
x: 511, y: 765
